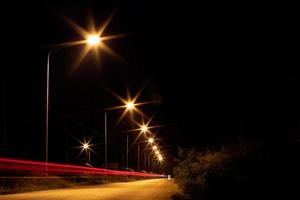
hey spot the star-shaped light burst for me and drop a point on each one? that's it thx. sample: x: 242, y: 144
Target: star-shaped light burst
x: 93, y: 38
x: 150, y: 140
x: 160, y: 158
x: 85, y: 146
x: 144, y: 128
x: 130, y: 105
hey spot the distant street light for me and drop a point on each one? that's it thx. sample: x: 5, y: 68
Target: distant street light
x: 86, y: 147
x: 150, y: 140
x: 160, y: 158
x: 130, y: 105
x: 154, y: 147
x: 144, y: 128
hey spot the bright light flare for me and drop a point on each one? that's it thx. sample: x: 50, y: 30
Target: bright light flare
x: 150, y: 140
x: 157, y: 152
x: 144, y: 128
x: 91, y: 37
x: 130, y: 105
x: 160, y: 158
x: 86, y: 146
x: 154, y: 147
x: 93, y: 40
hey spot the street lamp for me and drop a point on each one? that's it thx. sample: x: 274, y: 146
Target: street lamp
x: 160, y: 158
x: 129, y: 106
x: 144, y: 129
x: 154, y: 147
x: 93, y: 41
x: 86, y: 147
x: 150, y: 140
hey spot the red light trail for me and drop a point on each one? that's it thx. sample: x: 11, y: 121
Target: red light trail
x: 16, y: 166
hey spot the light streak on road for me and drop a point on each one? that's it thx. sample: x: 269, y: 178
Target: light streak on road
x: 17, y: 166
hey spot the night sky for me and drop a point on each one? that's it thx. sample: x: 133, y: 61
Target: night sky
x: 216, y: 70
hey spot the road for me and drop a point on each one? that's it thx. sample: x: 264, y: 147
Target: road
x: 151, y: 189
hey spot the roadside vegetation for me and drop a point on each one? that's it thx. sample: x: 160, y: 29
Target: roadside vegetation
x: 244, y: 169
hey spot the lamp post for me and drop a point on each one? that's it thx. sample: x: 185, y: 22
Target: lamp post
x: 146, y: 160
x: 86, y: 147
x: 144, y: 129
x: 129, y: 107
x: 127, y: 150
x: 92, y: 40
x: 105, y: 138
x: 138, y: 156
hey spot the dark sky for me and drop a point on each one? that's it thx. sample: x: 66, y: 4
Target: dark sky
x: 218, y: 69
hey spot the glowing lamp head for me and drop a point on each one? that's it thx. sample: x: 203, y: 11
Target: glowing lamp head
x: 157, y: 152
x: 129, y: 105
x: 154, y: 147
x: 93, y: 40
x: 85, y: 146
x: 150, y: 140
x: 160, y: 158
x: 144, y: 128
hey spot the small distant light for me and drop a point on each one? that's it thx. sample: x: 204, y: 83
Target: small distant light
x: 144, y: 128
x: 85, y: 146
x: 150, y: 140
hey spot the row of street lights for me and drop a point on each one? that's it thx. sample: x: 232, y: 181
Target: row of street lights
x: 144, y: 129
x: 94, y: 40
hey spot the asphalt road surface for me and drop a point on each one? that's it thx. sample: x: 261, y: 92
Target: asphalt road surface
x: 153, y: 189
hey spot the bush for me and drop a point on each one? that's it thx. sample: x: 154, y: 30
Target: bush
x: 214, y: 174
